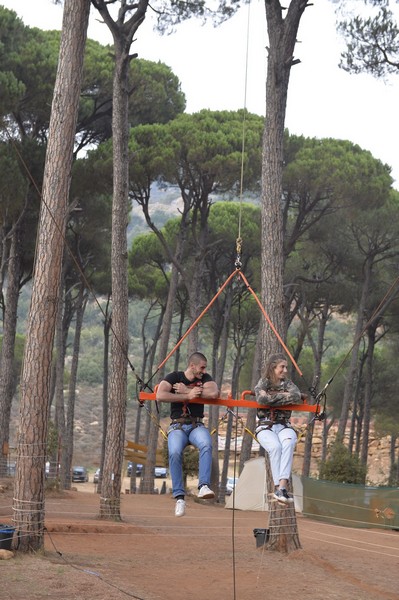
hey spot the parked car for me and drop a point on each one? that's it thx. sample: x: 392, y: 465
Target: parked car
x: 158, y: 471
x: 161, y: 472
x: 230, y: 485
x: 139, y: 468
x: 96, y: 476
x: 80, y: 474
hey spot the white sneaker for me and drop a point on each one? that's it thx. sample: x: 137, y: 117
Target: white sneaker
x: 205, y: 493
x: 180, y: 508
x: 281, y: 495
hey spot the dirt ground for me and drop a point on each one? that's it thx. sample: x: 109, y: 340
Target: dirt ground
x: 209, y: 554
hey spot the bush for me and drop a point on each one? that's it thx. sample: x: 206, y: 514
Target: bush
x: 342, y: 467
x: 90, y: 372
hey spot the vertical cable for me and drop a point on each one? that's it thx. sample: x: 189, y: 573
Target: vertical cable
x: 244, y: 123
x: 238, y: 265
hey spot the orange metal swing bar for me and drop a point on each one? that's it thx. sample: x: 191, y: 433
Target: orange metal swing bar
x: 241, y: 403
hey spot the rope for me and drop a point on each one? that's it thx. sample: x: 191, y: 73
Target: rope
x: 193, y: 324
x: 116, y: 587
x: 244, y: 124
x: 276, y: 333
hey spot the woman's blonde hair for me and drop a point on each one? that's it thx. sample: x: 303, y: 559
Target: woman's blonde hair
x: 272, y: 362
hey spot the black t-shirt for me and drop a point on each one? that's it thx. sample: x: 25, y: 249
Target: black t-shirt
x: 177, y: 408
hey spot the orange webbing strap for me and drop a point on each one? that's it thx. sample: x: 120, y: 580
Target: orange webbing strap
x: 276, y: 333
x: 197, y: 320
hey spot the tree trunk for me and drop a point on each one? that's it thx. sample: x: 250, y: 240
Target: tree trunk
x: 213, y: 426
x: 317, y: 349
x: 28, y: 503
x: 70, y: 416
x: 106, y: 329
x: 59, y: 417
x: 7, y: 374
x: 251, y: 415
x: 147, y: 482
x: 371, y: 333
x: 167, y: 321
x: 226, y: 458
x: 351, y: 377
x: 307, y: 452
x: 282, y: 39
x: 115, y: 435
x: 283, y: 528
x: 393, y: 466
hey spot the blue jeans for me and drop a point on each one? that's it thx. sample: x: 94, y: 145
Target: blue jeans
x: 180, y: 436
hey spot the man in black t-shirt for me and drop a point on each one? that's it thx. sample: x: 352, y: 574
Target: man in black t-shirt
x: 187, y: 427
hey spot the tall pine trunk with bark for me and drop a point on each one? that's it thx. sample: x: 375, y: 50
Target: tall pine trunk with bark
x: 28, y: 503
x: 282, y: 32
x: 122, y: 29
x: 115, y: 435
x: 7, y: 374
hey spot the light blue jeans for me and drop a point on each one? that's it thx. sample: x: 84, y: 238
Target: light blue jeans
x: 279, y: 443
x: 180, y: 436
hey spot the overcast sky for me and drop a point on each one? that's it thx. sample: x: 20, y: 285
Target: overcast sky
x: 219, y: 70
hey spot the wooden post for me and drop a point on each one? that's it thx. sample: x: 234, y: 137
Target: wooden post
x: 283, y: 530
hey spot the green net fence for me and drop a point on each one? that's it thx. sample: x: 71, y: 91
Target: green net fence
x: 351, y: 505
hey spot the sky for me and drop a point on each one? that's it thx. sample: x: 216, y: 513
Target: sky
x: 224, y: 68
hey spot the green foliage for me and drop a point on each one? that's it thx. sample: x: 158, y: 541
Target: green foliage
x: 171, y: 13
x: 28, y: 59
x: 342, y: 467
x: 385, y: 396
x: 18, y: 355
x: 372, y: 42
x: 245, y: 381
x: 90, y: 371
x: 210, y: 150
x: 156, y: 96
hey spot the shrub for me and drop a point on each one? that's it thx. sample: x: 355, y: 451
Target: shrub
x: 342, y: 466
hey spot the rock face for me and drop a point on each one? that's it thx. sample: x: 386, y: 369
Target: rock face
x: 378, y: 462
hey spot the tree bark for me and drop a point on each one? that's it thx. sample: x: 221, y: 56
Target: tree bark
x: 7, y: 375
x: 282, y: 39
x: 28, y: 504
x: 81, y: 302
x: 371, y: 334
x: 283, y: 528
x: 115, y: 435
x: 351, y: 378
x: 122, y: 32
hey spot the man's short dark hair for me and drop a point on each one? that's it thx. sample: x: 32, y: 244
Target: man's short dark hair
x: 197, y: 357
